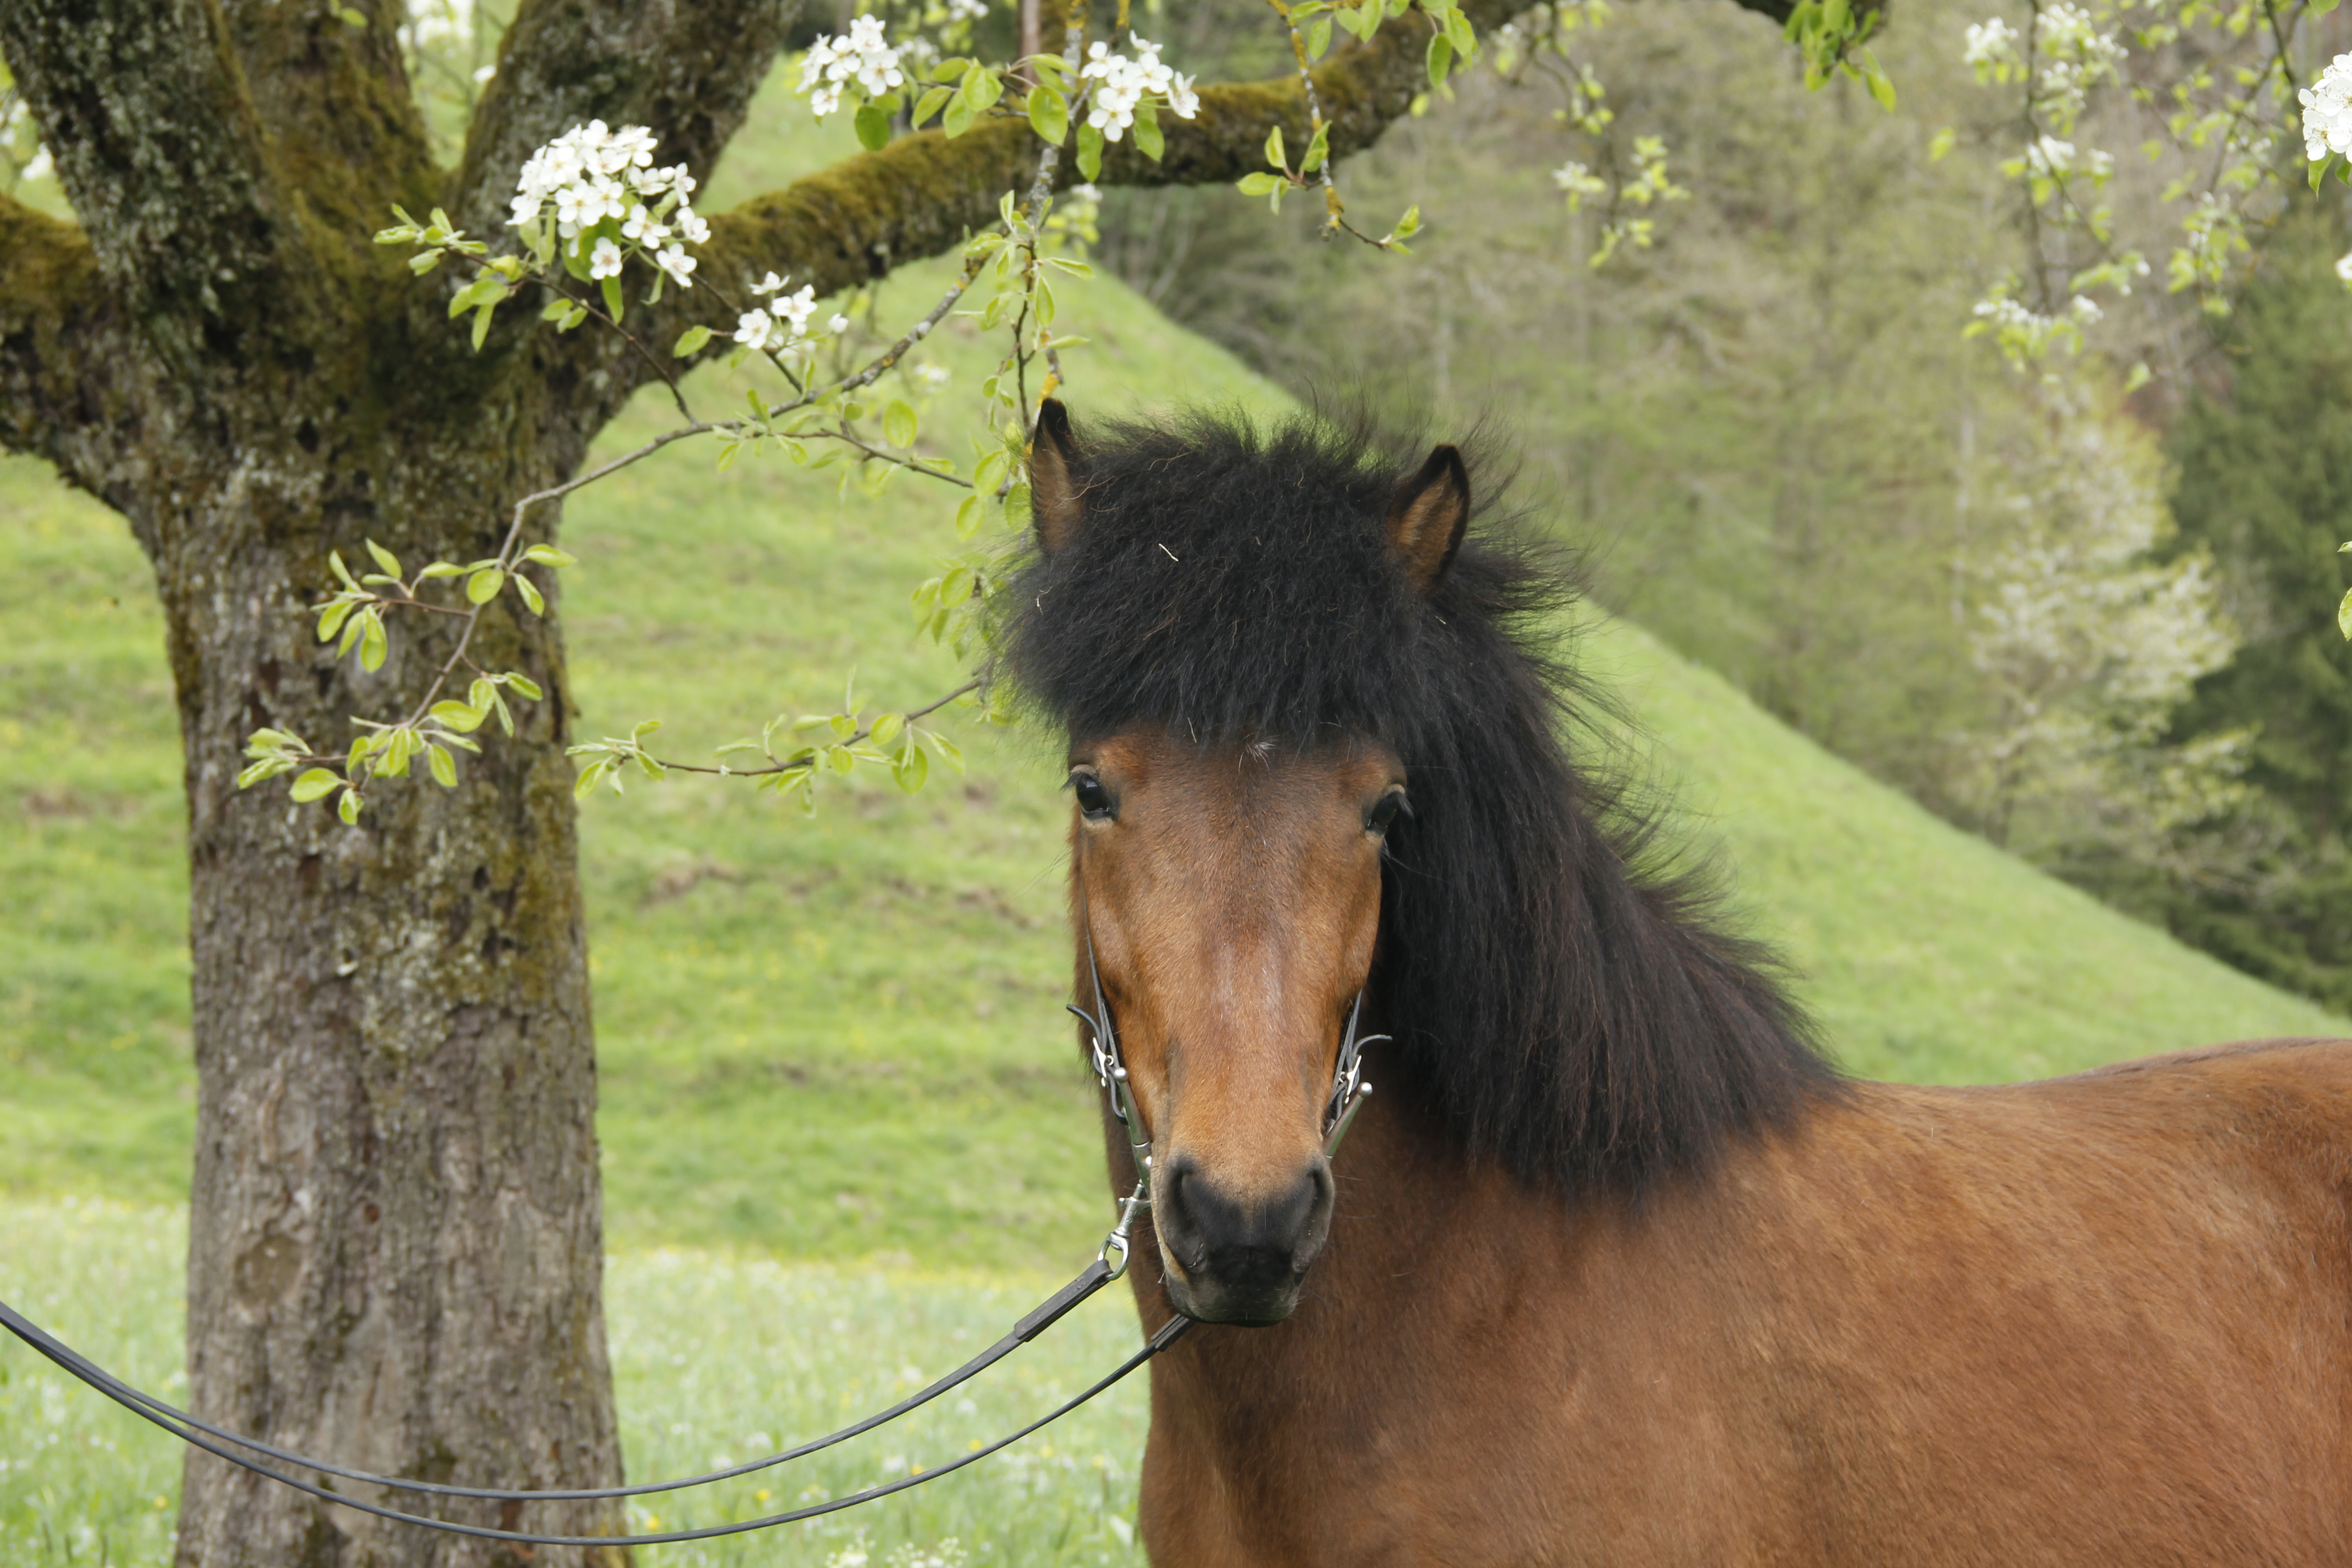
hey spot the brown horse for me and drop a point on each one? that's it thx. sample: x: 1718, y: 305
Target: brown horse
x: 1611, y: 1269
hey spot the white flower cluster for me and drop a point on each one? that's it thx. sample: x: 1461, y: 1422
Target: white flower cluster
x: 864, y: 56
x: 604, y: 190
x: 1579, y: 182
x: 784, y: 326
x: 1121, y: 83
x: 2327, y: 111
x: 1993, y: 42
x: 967, y: 10
x: 2050, y: 158
x: 2077, y: 55
x: 2344, y: 267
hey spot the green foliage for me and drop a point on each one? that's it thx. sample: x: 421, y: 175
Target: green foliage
x: 2265, y: 484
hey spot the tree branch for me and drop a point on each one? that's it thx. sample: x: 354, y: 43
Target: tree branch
x: 334, y: 100
x: 686, y: 70
x: 160, y: 152
x: 64, y: 358
x: 922, y: 193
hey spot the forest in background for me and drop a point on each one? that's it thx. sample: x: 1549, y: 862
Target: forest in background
x: 2088, y: 615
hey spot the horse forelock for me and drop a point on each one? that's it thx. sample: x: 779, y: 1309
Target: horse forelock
x: 1570, y: 1004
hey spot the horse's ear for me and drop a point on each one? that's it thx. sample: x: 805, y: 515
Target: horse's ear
x: 1427, y: 517
x: 1052, y: 482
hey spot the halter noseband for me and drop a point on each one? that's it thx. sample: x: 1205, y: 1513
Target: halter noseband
x: 1349, y: 1089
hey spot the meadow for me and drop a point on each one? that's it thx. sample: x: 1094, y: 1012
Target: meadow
x: 843, y: 1113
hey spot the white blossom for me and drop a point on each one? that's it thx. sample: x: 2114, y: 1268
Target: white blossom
x: 2327, y: 111
x: 2344, y: 267
x: 607, y: 198
x: 967, y: 10
x: 752, y: 328
x: 862, y: 57
x: 675, y: 262
x: 771, y: 283
x: 1120, y: 84
x: 932, y: 376
x: 837, y: 325
x: 795, y: 309
x: 605, y: 261
x: 1991, y: 42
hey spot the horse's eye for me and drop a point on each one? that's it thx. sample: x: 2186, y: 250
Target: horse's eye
x: 1384, y: 812
x: 1093, y: 799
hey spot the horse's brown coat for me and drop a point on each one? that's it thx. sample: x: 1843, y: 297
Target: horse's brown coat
x: 2099, y: 1319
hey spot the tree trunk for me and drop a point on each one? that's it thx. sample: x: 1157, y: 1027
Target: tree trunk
x: 396, y: 1247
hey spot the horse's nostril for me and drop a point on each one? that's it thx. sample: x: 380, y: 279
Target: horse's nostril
x: 1248, y: 1241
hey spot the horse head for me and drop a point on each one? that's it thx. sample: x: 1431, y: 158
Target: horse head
x: 1227, y: 893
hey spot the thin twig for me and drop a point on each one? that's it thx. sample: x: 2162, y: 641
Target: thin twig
x: 779, y: 766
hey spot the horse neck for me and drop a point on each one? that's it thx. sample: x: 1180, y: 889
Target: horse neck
x: 1415, y: 1220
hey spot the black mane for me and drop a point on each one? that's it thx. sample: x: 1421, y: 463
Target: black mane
x: 1569, y: 1015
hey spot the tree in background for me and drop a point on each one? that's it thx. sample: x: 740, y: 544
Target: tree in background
x: 2089, y: 644
x: 2265, y: 462
x: 395, y: 1232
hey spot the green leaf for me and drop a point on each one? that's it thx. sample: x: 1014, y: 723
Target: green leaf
x: 556, y: 309
x: 588, y: 779
x: 347, y: 808
x: 482, y: 326
x: 1148, y: 140
x: 912, y: 769
x: 482, y: 693
x: 839, y: 759
x: 958, y: 116
x: 373, y: 644
x: 440, y: 569
x: 1090, y: 151
x: 458, y: 717
x: 548, y: 556
x: 385, y: 558
x: 483, y: 586
x: 1875, y: 78
x: 1049, y: 115
x: 899, y: 423
x: 314, y: 785
x: 689, y: 342
x: 444, y: 766
x: 1257, y: 184
x: 885, y: 729
x: 612, y: 291
x: 335, y: 560
x: 872, y: 126
x: 531, y: 595
x: 1441, y: 60
x: 984, y: 87
x: 970, y: 514
x: 2343, y: 617
x: 2319, y: 7
x: 989, y: 472
x: 929, y: 104
x: 1319, y: 38
x: 1274, y: 154
x: 331, y: 618
x: 946, y: 749
x: 956, y: 587
x: 1316, y: 150
x: 524, y: 686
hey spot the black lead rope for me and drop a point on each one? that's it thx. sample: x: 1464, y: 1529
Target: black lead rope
x: 1092, y: 1279
x: 197, y: 1434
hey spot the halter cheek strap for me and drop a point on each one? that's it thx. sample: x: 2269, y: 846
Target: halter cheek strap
x: 1348, y: 1089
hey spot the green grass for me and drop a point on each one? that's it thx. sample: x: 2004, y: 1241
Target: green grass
x: 837, y: 1043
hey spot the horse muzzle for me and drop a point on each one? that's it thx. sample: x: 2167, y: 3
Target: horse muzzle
x: 1230, y: 1257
